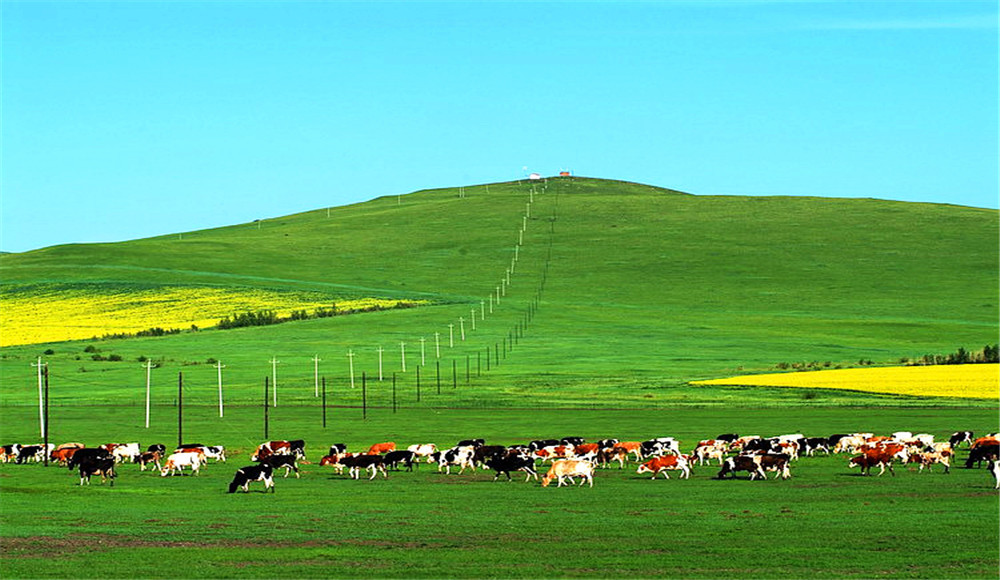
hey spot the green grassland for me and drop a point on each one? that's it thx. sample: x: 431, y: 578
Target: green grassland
x: 621, y: 294
x: 827, y: 521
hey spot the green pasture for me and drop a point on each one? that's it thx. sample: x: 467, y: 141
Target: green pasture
x: 621, y: 293
x: 827, y: 521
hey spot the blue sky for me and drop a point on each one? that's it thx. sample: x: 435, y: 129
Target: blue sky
x: 134, y: 119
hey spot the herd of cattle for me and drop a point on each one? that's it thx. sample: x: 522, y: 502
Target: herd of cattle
x: 569, y: 458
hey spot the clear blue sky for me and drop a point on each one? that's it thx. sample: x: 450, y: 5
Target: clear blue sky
x: 133, y: 119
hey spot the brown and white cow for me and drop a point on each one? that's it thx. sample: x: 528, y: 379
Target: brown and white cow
x: 666, y: 463
x: 568, y: 469
x: 380, y: 448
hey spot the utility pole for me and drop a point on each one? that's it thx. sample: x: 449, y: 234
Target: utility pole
x: 482, y: 310
x: 423, y: 361
x: 402, y: 354
x: 380, y: 351
x: 274, y: 379
x: 149, y: 367
x: 461, y: 326
x: 316, y: 360
x: 219, y: 366
x: 451, y: 336
x: 350, y: 358
x: 473, y: 318
x: 437, y: 344
x: 41, y: 405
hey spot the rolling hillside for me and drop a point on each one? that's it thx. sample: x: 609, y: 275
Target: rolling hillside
x: 620, y: 294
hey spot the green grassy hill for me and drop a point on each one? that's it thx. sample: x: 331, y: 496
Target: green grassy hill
x: 621, y: 293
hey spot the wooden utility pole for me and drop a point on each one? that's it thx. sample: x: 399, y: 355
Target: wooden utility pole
x: 380, y: 351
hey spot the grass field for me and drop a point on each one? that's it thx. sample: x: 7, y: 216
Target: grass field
x: 621, y: 295
x: 827, y: 521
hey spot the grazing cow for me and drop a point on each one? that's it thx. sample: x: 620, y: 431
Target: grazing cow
x: 878, y: 457
x: 507, y: 463
x: 178, y: 461
x: 902, y: 435
x: 28, y: 453
x: 929, y: 458
x: 460, y: 456
x: 104, y: 466
x: 664, y: 463
x: 776, y: 462
x: 285, y: 460
x: 607, y: 443
x: 471, y: 443
x: 748, y: 463
x: 570, y: 468
x: 574, y: 441
x: 374, y: 464
x: 150, y: 457
x: 959, y: 437
x: 982, y: 452
x: 86, y: 453
x: 380, y: 448
x: 245, y: 475
x: 392, y: 459
x: 338, y: 448
x: 422, y: 449
x: 71, y: 445
x: 337, y: 461
x: 158, y: 448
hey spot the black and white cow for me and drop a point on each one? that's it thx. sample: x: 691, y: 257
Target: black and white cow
x: 87, y: 453
x: 392, y: 459
x: 539, y: 444
x: 471, y: 443
x: 959, y: 437
x: 747, y: 463
x: 104, y: 466
x: 574, y: 441
x: 374, y: 464
x: 338, y: 449
x: 279, y: 461
x: 262, y: 472
x: 508, y: 463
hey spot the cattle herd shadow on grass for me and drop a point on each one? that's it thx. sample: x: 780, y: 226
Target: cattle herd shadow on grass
x: 567, y: 461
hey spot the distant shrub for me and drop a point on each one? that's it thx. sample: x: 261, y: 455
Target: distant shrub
x: 90, y: 348
x: 49, y: 351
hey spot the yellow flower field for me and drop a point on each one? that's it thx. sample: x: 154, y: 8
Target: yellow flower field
x: 974, y: 381
x: 59, y: 313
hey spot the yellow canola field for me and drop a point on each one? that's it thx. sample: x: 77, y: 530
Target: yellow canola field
x: 76, y: 313
x: 975, y: 381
